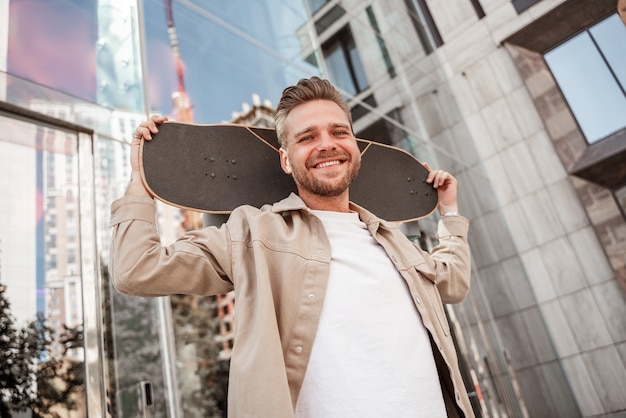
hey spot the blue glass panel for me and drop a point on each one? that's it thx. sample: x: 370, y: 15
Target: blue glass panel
x: 610, y: 35
x: 230, y: 50
x: 53, y: 43
x: 589, y: 87
x: 338, y: 69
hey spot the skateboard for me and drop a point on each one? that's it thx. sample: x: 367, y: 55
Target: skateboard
x: 216, y: 168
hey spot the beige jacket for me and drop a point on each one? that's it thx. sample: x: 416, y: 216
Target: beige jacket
x: 277, y: 259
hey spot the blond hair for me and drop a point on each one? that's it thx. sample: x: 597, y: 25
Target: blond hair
x: 305, y: 90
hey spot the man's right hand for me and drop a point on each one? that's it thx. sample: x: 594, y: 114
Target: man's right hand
x: 143, y: 131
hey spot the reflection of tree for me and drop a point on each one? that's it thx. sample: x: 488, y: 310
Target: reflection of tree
x: 201, y: 374
x: 18, y: 351
x: 58, y: 379
x: 132, y: 348
x: 28, y: 378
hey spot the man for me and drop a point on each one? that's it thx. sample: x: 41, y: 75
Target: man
x: 338, y: 314
x: 621, y: 10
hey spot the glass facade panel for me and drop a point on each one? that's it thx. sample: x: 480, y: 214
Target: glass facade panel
x: 41, y: 282
x: 610, y: 36
x: 339, y: 69
x: 419, y: 26
x: 132, y: 334
x: 588, y: 69
x: 53, y: 43
x: 228, y: 50
x: 344, y: 63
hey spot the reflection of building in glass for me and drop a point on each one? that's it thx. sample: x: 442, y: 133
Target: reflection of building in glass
x: 64, y: 309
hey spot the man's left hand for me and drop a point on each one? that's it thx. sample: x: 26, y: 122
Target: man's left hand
x: 446, y: 186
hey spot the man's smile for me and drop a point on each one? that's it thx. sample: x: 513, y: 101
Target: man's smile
x: 327, y: 164
x: 328, y: 159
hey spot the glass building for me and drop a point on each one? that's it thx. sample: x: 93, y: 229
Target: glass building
x: 523, y: 101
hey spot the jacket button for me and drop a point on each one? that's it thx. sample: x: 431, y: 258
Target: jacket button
x: 299, y: 349
x: 311, y: 296
x: 418, y: 300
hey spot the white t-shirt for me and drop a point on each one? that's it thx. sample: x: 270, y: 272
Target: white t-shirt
x: 371, y: 356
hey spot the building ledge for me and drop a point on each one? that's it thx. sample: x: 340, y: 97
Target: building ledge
x: 604, y: 162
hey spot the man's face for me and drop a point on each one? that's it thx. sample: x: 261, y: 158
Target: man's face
x: 321, y: 152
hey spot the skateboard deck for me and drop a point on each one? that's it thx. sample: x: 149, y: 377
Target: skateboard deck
x: 216, y: 168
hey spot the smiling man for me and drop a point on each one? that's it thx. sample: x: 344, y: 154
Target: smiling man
x: 321, y: 153
x: 338, y: 314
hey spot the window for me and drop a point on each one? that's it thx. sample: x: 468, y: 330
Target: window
x: 328, y: 19
x: 381, y: 42
x: 344, y: 63
x: 424, y: 24
x: 590, y: 69
x: 478, y: 8
x: 521, y: 5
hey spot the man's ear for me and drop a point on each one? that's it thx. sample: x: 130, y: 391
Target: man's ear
x: 284, y: 161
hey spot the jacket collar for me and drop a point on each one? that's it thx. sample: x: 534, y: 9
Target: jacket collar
x: 293, y: 202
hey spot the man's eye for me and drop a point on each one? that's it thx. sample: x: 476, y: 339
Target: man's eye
x: 305, y: 138
x: 340, y: 133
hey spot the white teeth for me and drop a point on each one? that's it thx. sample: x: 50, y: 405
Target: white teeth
x: 328, y: 163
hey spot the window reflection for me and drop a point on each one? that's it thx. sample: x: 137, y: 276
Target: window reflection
x: 590, y: 69
x: 607, y: 35
x: 42, y: 360
x: 344, y: 63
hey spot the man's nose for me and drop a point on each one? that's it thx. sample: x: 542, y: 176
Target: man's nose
x: 326, y: 142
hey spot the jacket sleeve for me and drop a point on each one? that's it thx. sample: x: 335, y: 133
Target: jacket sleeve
x: 198, y: 263
x: 452, y: 260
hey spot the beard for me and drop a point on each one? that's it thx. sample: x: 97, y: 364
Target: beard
x: 321, y: 186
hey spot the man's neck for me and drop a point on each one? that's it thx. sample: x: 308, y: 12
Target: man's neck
x: 339, y: 203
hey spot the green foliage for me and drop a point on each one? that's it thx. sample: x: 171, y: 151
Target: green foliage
x: 18, y: 350
x: 29, y: 379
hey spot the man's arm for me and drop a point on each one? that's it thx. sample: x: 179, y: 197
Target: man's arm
x: 197, y: 263
x: 452, y: 256
x: 452, y: 260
